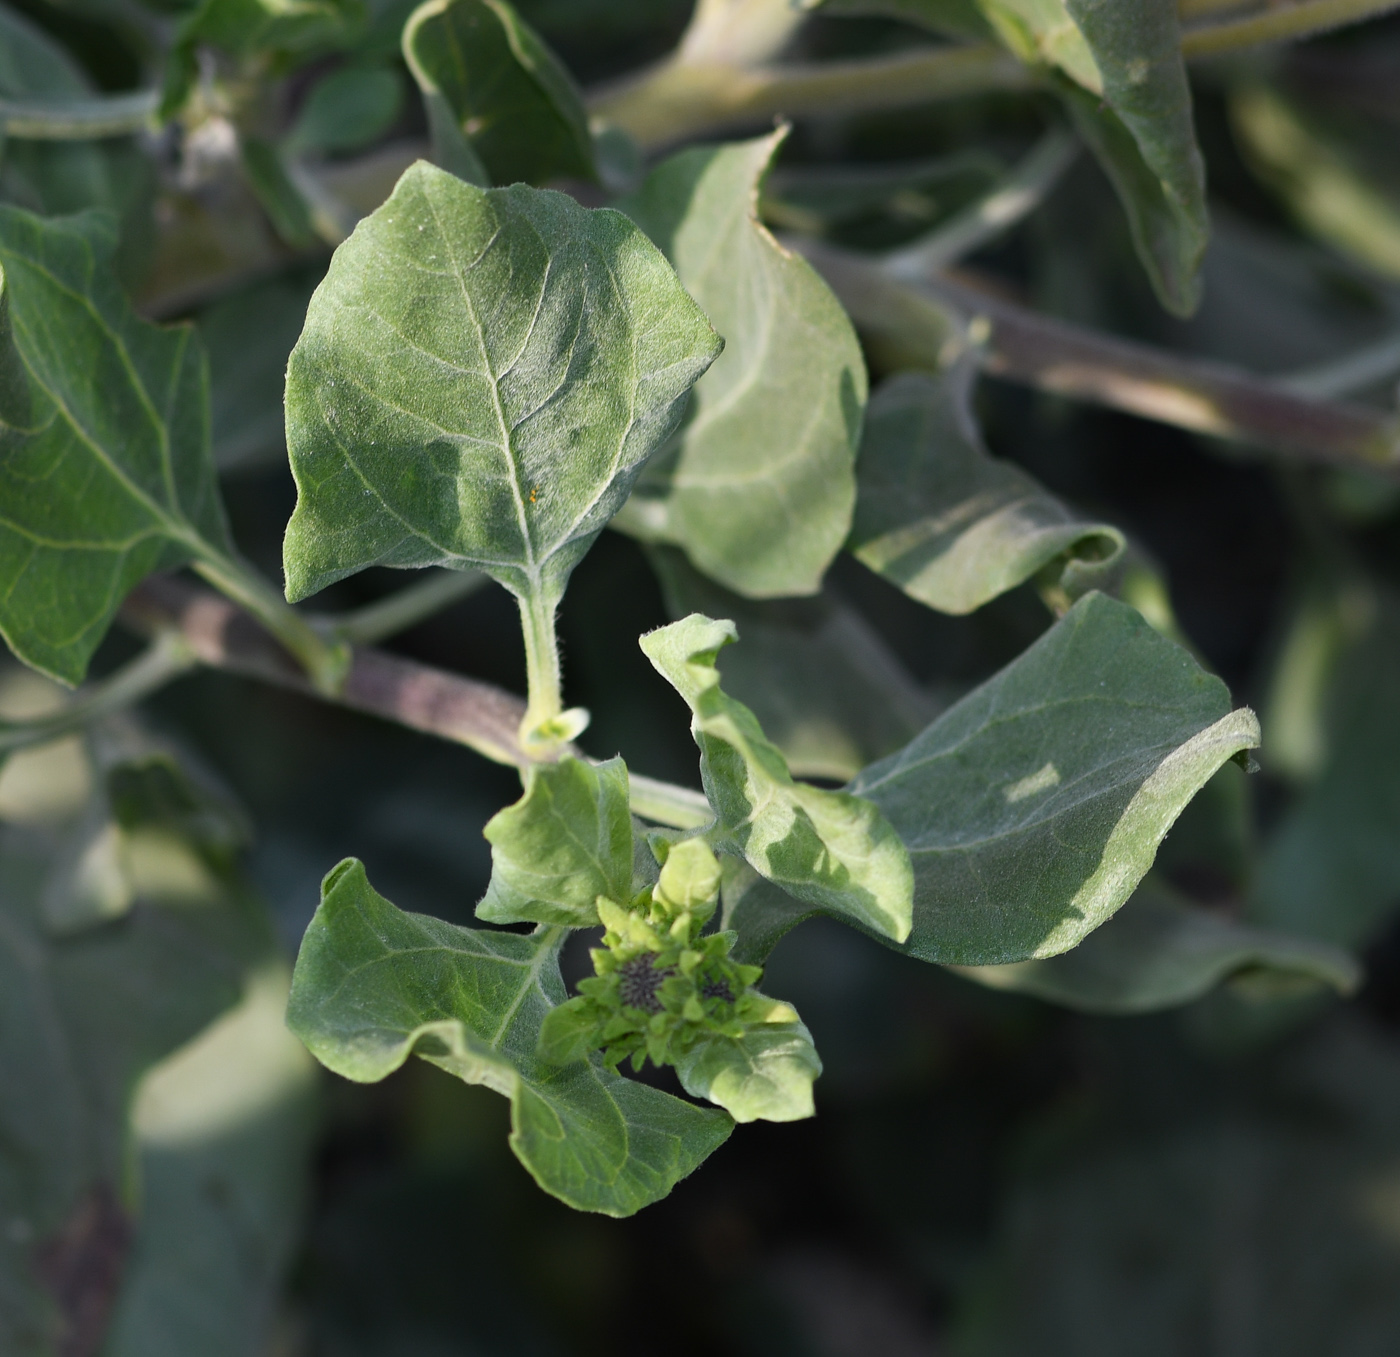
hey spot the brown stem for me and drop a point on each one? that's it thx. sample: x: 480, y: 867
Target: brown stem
x: 921, y: 324
x: 222, y: 636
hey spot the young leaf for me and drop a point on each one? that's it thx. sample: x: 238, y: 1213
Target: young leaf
x: 567, y: 841
x: 1158, y: 952
x: 831, y: 849
x: 374, y: 985
x: 481, y: 376
x: 759, y: 485
x: 505, y: 94
x: 106, y: 473
x: 820, y: 679
x: 1033, y: 807
x: 766, y: 1074
x: 947, y: 522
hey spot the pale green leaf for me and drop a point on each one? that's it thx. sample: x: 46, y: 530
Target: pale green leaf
x: 374, y: 985
x: 106, y: 472
x: 81, y: 1019
x: 766, y: 1074
x: 830, y: 849
x: 758, y: 486
x: 1034, y: 806
x: 1331, y: 867
x: 224, y: 1130
x: 824, y: 685
x: 567, y: 841
x: 481, y: 377
x: 951, y: 525
x: 504, y: 93
x: 1159, y: 952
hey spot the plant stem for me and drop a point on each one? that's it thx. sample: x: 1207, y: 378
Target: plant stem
x: 543, y: 678
x: 1277, y: 23
x: 1354, y: 372
x: 1019, y: 193
x: 679, y: 99
x: 926, y: 325
x: 325, y: 661
x: 404, y: 608
x: 668, y: 804
x: 116, y: 115
x: 168, y: 656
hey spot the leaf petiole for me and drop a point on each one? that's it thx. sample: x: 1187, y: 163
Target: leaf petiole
x: 546, y: 726
x: 405, y: 607
x: 325, y: 659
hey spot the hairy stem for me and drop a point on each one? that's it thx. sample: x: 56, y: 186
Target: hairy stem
x: 680, y: 99
x: 168, y: 656
x: 479, y: 715
x: 404, y: 608
x: 116, y: 115
x: 1278, y: 23
x: 325, y: 661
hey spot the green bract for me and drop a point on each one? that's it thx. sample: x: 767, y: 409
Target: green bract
x: 832, y: 850
x: 758, y: 486
x: 364, y: 1000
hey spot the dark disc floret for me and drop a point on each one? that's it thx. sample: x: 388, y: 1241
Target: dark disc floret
x: 638, y: 982
x: 717, y: 989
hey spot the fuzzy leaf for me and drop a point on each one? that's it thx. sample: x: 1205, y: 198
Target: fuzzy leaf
x: 567, y: 841
x: 374, y: 985
x: 507, y: 96
x: 1159, y: 952
x: 105, y: 469
x: 833, y: 850
x: 951, y: 525
x: 824, y: 685
x: 766, y: 1074
x: 1034, y: 806
x: 481, y: 377
x: 758, y: 486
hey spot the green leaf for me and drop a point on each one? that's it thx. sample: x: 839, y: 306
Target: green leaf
x: 374, y: 985
x: 1331, y: 869
x: 830, y: 849
x: 481, y: 377
x: 567, y: 841
x: 951, y: 525
x: 759, y: 485
x: 224, y: 1130
x: 350, y: 108
x: 1159, y: 952
x: 504, y: 93
x: 766, y: 1074
x: 825, y: 687
x: 1034, y: 806
x: 1124, y: 81
x: 31, y: 62
x: 284, y: 203
x: 82, y: 1018
x: 106, y: 472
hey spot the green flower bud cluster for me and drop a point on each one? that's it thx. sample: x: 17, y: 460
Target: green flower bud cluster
x: 659, y: 985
